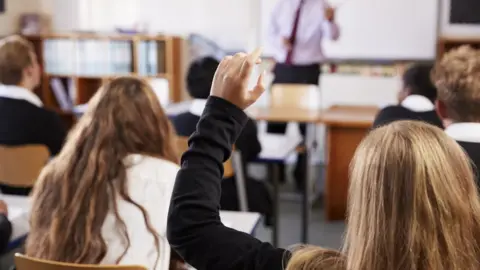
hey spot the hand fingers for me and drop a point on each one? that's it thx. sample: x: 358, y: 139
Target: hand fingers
x: 258, y: 90
x: 249, y: 62
x: 224, y: 64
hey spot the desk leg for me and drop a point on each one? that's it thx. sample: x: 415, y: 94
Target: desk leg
x: 274, y: 173
x: 309, y: 143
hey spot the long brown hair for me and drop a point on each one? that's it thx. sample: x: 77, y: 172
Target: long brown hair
x: 413, y: 203
x: 80, y: 186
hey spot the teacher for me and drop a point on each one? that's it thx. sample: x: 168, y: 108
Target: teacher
x: 296, y: 31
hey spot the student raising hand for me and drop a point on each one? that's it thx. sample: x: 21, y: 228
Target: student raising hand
x: 194, y: 229
x: 231, y: 79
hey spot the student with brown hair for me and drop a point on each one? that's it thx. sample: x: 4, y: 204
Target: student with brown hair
x: 413, y: 203
x: 457, y: 77
x: 23, y: 119
x: 104, y: 198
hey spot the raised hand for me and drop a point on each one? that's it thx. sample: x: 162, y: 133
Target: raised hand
x: 231, y: 79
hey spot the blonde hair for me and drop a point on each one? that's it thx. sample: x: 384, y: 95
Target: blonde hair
x: 457, y: 77
x: 413, y: 203
x: 312, y: 257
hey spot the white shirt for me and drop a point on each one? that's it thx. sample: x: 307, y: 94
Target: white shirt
x: 418, y: 103
x: 197, y: 107
x: 150, y: 183
x: 312, y: 29
x: 20, y: 93
x: 464, y: 132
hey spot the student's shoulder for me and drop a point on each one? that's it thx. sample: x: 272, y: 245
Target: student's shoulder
x: 150, y: 166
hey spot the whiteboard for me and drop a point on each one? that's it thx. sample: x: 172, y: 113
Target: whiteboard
x: 377, y: 29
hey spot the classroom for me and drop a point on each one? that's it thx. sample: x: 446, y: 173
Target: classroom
x: 239, y: 134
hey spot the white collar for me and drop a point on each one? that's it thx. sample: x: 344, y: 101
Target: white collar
x: 418, y: 103
x: 20, y: 93
x: 464, y: 132
x: 197, y: 106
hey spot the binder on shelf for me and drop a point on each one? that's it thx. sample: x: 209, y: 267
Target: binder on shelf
x: 61, y: 94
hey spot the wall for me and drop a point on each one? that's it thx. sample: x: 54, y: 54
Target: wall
x: 14, y: 8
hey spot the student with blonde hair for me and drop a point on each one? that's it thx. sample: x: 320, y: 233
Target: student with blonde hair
x: 104, y: 198
x: 413, y: 204
x: 457, y: 78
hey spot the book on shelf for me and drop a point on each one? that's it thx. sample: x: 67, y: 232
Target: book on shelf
x: 63, y: 95
x: 151, y: 57
x: 88, y: 57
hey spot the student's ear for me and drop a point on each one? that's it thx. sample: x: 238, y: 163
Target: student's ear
x: 441, y: 109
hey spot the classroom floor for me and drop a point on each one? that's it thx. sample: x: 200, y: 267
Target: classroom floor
x: 321, y: 233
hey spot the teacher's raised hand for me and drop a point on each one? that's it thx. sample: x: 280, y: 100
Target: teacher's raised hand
x: 232, y: 76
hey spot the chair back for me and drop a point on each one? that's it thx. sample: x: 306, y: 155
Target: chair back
x: 23, y: 262
x: 20, y: 166
x: 304, y: 96
x: 182, y: 147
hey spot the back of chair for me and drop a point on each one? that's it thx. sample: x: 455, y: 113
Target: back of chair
x: 21, y: 165
x: 182, y: 146
x: 303, y: 96
x: 23, y: 262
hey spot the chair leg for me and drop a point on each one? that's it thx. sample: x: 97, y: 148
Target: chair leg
x: 240, y: 181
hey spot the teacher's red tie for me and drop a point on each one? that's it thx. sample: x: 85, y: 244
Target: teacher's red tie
x: 293, y: 36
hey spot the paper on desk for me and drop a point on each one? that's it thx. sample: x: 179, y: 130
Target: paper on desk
x: 278, y: 146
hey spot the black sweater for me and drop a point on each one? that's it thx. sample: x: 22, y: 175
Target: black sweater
x: 5, y: 233
x: 473, y: 151
x: 394, y: 113
x: 194, y: 228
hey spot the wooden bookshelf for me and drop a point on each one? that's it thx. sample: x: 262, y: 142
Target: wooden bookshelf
x: 85, y: 61
x: 444, y: 44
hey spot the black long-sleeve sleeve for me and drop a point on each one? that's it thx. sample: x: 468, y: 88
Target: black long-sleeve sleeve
x: 5, y: 233
x: 248, y: 143
x: 194, y: 228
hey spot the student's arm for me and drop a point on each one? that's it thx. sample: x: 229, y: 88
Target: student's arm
x: 194, y: 228
x: 54, y: 133
x: 248, y: 143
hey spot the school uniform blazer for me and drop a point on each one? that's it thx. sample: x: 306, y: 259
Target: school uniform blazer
x: 24, y: 120
x: 150, y: 183
x: 414, y: 107
x: 467, y: 136
x: 194, y: 228
x: 247, y: 143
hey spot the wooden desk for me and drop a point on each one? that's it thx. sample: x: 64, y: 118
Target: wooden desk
x: 346, y: 126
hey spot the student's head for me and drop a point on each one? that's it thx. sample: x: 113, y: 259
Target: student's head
x: 457, y: 77
x: 316, y: 258
x: 200, y: 76
x: 413, y: 202
x: 416, y: 81
x: 77, y: 189
x: 18, y: 63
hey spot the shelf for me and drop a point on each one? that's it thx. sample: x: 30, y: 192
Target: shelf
x: 82, y: 62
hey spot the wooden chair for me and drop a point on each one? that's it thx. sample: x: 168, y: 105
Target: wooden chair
x: 302, y: 96
x: 21, y: 165
x: 23, y: 262
x: 232, y: 167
